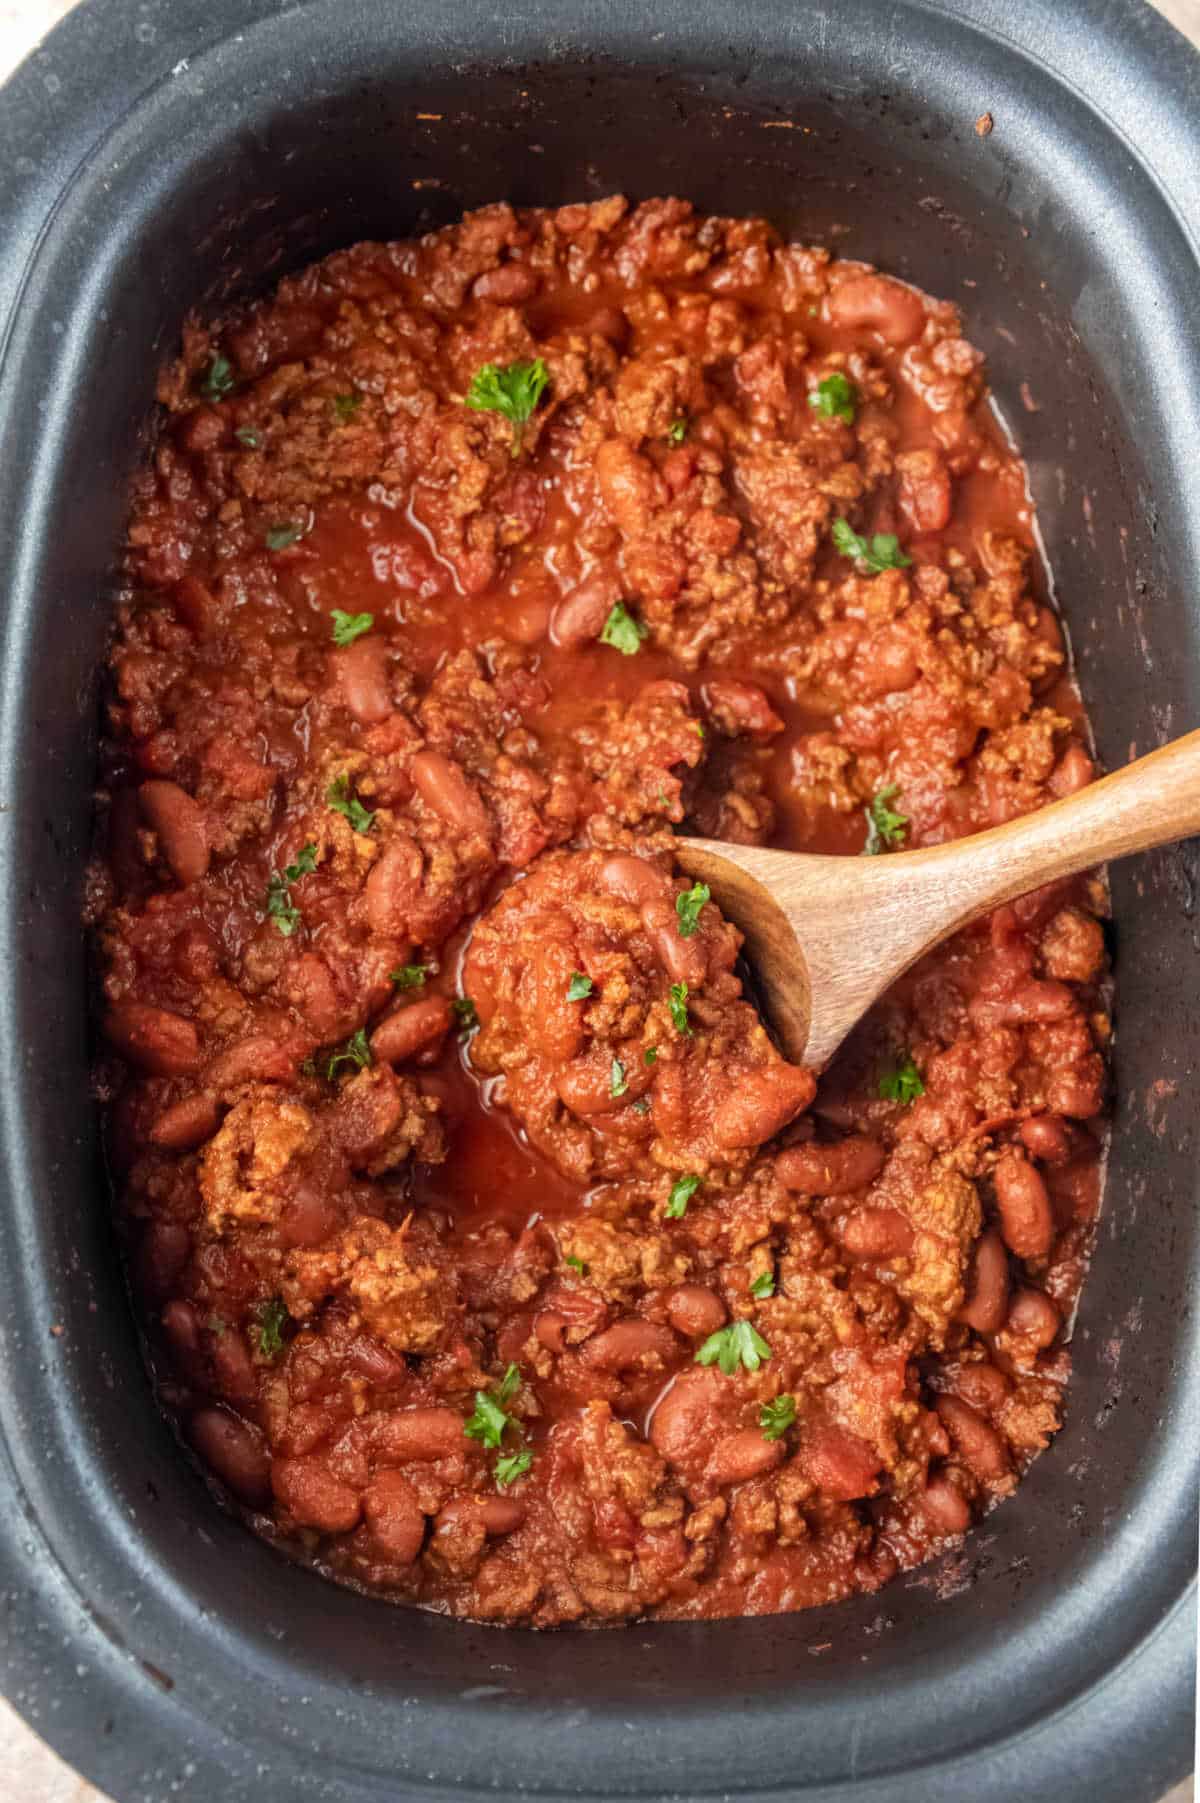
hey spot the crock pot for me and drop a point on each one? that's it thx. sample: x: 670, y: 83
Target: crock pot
x: 157, y: 151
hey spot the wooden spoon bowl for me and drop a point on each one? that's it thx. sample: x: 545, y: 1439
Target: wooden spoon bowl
x: 827, y: 936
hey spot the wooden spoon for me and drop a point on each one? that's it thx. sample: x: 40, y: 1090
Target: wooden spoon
x: 827, y: 936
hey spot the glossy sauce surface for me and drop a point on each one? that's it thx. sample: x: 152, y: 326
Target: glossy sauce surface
x: 579, y: 1303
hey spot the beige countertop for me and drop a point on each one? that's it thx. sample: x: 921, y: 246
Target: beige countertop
x: 29, y: 1771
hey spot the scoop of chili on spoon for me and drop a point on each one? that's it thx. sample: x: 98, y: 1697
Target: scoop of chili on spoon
x: 826, y: 936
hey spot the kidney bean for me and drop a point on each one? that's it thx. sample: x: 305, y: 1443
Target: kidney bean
x: 635, y: 880
x: 685, y: 1419
x: 258, y: 1058
x: 309, y: 1216
x: 585, y: 1086
x: 410, y: 1029
x: 924, y: 490
x: 1047, y: 1137
x: 311, y: 1492
x: 741, y: 709
x: 181, y: 826
x: 555, y: 1024
x: 764, y: 1101
x: 312, y: 992
x: 986, y: 1304
x: 831, y: 1170
x: 197, y: 607
x: 1034, y: 1317
x: 683, y: 959
x: 579, y: 617
x: 361, y: 673
x: 378, y: 1364
x: 181, y: 1324
x: 506, y: 286
x: 946, y: 1509
x: 626, y: 1343
x: 500, y: 1514
x: 1073, y: 771
x: 233, y: 1370
x: 897, y: 313
x: 418, y: 1434
x: 234, y: 1450
x: 394, y: 1517
x: 551, y: 1329
x: 887, y: 663
x: 979, y: 1445
x: 840, y: 1463
x: 443, y: 787
x: 186, y: 1123
x: 1026, y: 1217
x: 982, y: 1385
x: 694, y: 1311
x: 629, y: 486
x: 161, y: 1256
x: 741, y: 1456
x: 1032, y: 1002
x: 878, y: 1233
x: 154, y: 1039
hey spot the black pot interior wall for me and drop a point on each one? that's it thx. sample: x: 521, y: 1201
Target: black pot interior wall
x: 251, y: 163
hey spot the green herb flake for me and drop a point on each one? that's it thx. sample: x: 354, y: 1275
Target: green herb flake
x: 409, y: 976
x: 618, y: 1081
x: 272, y: 1319
x: 218, y: 380
x: 345, y: 406
x: 677, y: 431
x: 465, y: 1013
x: 216, y: 1325
x: 280, y: 537
x: 348, y: 627
x: 249, y: 436
x: 576, y: 1264
x: 356, y: 1052
x: 835, y: 397
x: 776, y: 1417
x: 280, y: 907
x: 623, y: 630
x: 490, y: 1418
x: 650, y: 1055
x: 512, y: 1466
x: 678, y: 1000
x: 903, y: 1084
x: 688, y: 905
x: 342, y: 802
x: 763, y: 1286
x: 737, y: 1344
x: 885, y: 828
x: 580, y: 987
x: 682, y: 1191
x: 513, y: 392
x: 509, y: 1384
x: 882, y: 552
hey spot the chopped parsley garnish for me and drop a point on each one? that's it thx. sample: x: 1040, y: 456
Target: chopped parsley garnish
x: 885, y: 828
x: 409, y: 976
x: 677, y: 999
x: 618, y: 1081
x: 280, y: 907
x: 348, y: 627
x: 641, y: 1106
x: 490, y: 1419
x: 513, y: 392
x: 882, y: 552
x: 512, y: 1466
x: 763, y: 1286
x: 356, y: 1052
x: 688, y: 906
x: 682, y: 1191
x: 272, y: 1319
x: 342, y: 802
x: 623, y: 630
x: 215, y: 1325
x: 737, y: 1344
x: 346, y: 406
x: 902, y: 1085
x: 280, y: 537
x: 835, y: 397
x: 249, y: 436
x: 776, y: 1417
x: 218, y: 378
x: 576, y: 1264
x: 464, y: 1012
x: 580, y: 987
x: 677, y: 431
x: 650, y: 1055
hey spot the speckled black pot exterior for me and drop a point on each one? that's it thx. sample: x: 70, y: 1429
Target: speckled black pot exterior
x: 154, y: 150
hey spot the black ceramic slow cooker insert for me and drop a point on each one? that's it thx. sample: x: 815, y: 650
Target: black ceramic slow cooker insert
x: 157, y: 151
